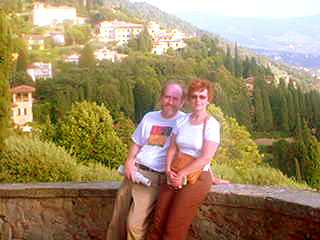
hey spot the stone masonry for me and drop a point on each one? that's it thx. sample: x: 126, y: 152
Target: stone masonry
x: 81, y: 211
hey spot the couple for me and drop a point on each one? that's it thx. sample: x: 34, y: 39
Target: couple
x: 158, y: 139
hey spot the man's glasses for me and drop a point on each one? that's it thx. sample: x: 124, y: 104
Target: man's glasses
x: 201, y: 97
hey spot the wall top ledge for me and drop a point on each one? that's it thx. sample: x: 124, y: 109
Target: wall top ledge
x: 279, y: 194
x: 296, y: 196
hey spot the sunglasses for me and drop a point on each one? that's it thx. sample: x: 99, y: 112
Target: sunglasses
x: 201, y: 97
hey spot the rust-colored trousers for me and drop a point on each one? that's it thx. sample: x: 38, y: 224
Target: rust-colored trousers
x: 176, y: 208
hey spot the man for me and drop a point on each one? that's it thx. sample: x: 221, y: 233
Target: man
x: 147, y: 156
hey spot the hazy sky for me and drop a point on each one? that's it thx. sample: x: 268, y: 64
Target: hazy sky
x: 243, y: 8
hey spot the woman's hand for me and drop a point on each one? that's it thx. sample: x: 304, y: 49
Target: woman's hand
x: 176, y: 180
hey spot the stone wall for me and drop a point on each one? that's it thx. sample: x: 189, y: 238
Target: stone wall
x: 72, y: 211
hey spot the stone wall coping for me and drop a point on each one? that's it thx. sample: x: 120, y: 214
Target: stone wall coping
x: 288, y: 201
x: 301, y: 197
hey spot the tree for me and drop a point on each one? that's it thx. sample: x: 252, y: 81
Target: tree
x: 284, y: 113
x: 145, y: 41
x: 228, y: 62
x: 259, y: 112
x: 87, y: 131
x: 311, y: 158
x: 298, y: 127
x: 268, y: 118
x: 291, y: 112
x: 237, y: 62
x: 237, y: 149
x: 6, y: 45
x: 87, y: 58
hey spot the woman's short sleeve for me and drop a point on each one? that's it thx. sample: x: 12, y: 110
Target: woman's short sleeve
x: 212, y: 131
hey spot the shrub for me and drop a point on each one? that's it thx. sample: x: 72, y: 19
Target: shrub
x: 88, y: 132
x: 237, y: 149
x: 263, y: 176
x: 27, y: 159
x: 97, y: 172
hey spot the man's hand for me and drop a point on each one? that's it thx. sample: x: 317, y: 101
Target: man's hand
x: 129, y: 171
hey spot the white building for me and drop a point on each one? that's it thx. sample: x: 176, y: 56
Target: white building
x: 119, y: 31
x: 107, y: 54
x: 43, y: 16
x: 72, y: 58
x: 168, y: 39
x: 39, y: 70
x: 21, y: 105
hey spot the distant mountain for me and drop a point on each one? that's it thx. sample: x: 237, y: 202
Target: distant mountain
x: 300, y: 34
x: 293, y: 38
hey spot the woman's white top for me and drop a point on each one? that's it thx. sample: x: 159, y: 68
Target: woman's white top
x: 190, y: 137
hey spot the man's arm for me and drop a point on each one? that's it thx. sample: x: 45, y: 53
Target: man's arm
x: 130, y: 168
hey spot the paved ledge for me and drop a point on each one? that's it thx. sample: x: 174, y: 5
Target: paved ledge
x: 299, y: 197
x: 293, y: 202
x: 302, y: 197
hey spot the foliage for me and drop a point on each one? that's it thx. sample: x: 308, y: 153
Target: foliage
x: 28, y: 159
x: 87, y: 58
x: 142, y: 42
x: 238, y: 158
x: 77, y: 33
x: 263, y: 176
x: 236, y: 149
x: 97, y: 172
x: 124, y: 128
x: 88, y: 133
x: 31, y: 160
x: 299, y: 159
x: 6, y: 45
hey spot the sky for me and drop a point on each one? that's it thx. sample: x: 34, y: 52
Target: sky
x: 241, y: 8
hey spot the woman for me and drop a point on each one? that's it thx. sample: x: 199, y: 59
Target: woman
x: 197, y: 135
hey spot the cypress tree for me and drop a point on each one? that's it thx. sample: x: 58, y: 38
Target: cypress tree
x: 246, y: 72
x: 237, y: 63
x: 298, y: 127
x: 275, y: 106
x: 87, y: 58
x: 268, y: 118
x: 291, y: 112
x: 243, y: 109
x: 5, y: 69
x: 312, y: 158
x: 315, y: 108
x: 259, y: 113
x: 228, y: 60
x: 284, y: 113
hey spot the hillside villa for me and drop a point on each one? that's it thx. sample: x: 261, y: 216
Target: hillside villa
x: 121, y: 32
x: 21, y: 106
x: 50, y: 15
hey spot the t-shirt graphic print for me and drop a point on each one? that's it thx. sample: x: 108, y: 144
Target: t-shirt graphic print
x: 159, y: 135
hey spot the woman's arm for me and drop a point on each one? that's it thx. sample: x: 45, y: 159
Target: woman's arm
x: 171, y: 152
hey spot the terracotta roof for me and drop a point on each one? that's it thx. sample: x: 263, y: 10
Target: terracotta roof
x: 23, y: 88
